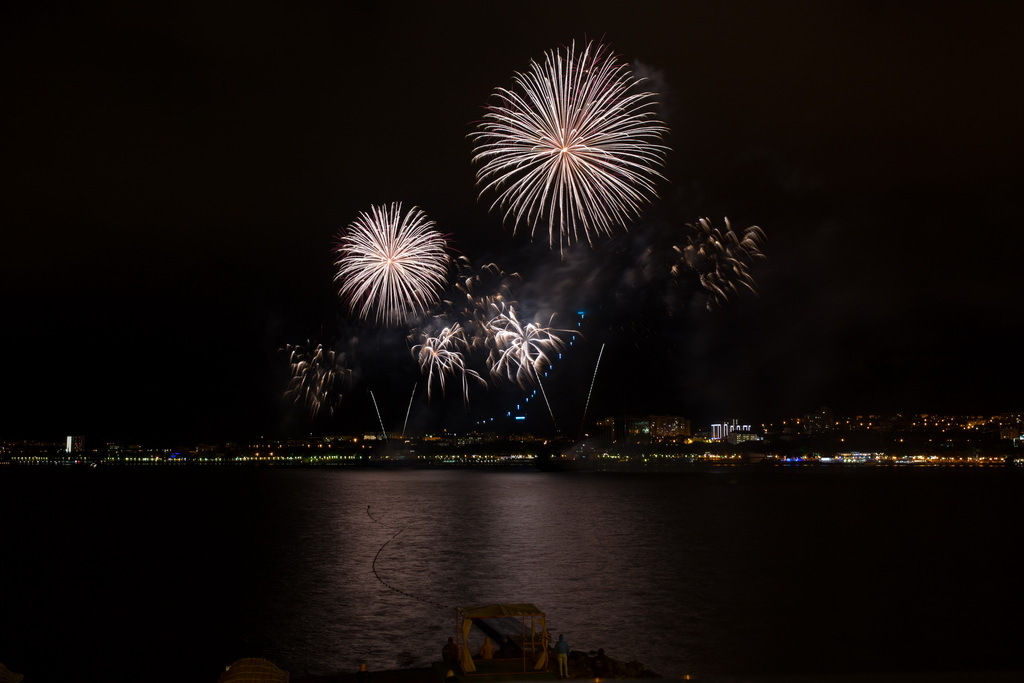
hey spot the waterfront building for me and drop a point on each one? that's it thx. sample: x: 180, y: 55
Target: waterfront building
x: 742, y: 436
x: 605, y: 429
x: 720, y: 431
x: 636, y: 430
x: 641, y: 430
x: 821, y: 421
x: 669, y: 428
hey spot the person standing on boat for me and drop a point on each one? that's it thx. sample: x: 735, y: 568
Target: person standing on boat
x: 562, y: 655
x: 601, y: 666
x: 507, y: 650
x: 450, y: 652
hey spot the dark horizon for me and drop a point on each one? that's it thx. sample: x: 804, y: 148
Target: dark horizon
x: 177, y: 176
x: 848, y: 429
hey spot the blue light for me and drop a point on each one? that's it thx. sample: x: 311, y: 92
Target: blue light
x: 520, y: 417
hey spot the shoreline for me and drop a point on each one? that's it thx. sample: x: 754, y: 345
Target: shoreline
x: 430, y: 675
x: 420, y: 675
x: 581, y: 666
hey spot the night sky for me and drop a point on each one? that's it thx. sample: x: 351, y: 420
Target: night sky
x: 175, y: 175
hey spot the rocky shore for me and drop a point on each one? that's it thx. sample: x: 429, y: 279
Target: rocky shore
x: 598, y: 665
x: 424, y: 675
x: 581, y: 665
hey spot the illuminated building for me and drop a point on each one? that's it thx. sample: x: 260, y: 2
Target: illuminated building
x: 741, y: 436
x: 722, y: 430
x: 669, y: 428
x: 642, y: 430
x: 819, y: 422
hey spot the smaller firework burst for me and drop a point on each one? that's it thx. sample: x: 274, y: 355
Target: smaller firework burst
x: 520, y: 351
x: 318, y: 376
x: 477, y: 294
x: 721, y: 258
x: 443, y: 356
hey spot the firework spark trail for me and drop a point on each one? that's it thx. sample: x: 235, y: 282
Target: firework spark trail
x: 409, y: 409
x: 721, y: 258
x: 478, y: 292
x: 390, y: 265
x: 547, y: 402
x: 490, y: 286
x: 317, y: 377
x: 520, y: 351
x: 593, y: 379
x: 572, y: 144
x: 441, y: 356
x: 379, y: 418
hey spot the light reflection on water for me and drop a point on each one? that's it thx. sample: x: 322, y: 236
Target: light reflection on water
x: 582, y: 549
x: 717, y: 573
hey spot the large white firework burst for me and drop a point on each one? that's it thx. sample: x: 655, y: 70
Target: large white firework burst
x: 722, y: 258
x: 390, y: 265
x: 573, y: 147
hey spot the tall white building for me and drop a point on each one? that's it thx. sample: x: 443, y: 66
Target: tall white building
x: 721, y: 431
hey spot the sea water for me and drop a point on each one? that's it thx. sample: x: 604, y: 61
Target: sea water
x: 172, y: 573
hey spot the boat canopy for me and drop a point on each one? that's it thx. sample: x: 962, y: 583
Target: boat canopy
x: 508, y: 609
x: 521, y: 622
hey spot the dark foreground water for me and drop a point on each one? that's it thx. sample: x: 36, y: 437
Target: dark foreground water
x: 169, y: 574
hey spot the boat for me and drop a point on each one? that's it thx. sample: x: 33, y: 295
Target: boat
x: 519, y: 631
